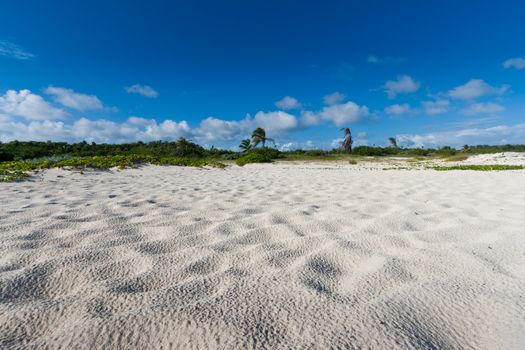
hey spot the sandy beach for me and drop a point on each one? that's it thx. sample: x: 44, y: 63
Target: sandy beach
x: 267, y: 256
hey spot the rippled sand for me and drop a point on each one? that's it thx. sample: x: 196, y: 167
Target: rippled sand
x: 267, y: 256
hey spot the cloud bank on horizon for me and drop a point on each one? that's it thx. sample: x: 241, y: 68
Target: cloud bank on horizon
x: 217, y: 83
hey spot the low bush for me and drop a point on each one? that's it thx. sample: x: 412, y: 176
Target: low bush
x: 374, y: 151
x: 253, y: 157
x: 18, y: 170
x: 480, y: 167
x: 316, y: 153
x: 267, y: 152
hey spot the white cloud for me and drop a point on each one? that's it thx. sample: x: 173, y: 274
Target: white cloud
x: 517, y: 63
x: 475, y: 88
x: 139, y: 121
x: 30, y: 106
x: 11, y: 50
x: 438, y: 106
x: 403, y: 85
x: 346, y: 113
x: 74, y: 100
x: 213, y: 129
x: 100, y: 131
x: 483, y: 108
x: 144, y: 90
x: 293, y: 145
x: 334, y: 98
x: 287, y: 103
x: 502, y: 134
x: 336, y: 143
x: 398, y: 109
x: 309, y: 118
x: 274, y: 121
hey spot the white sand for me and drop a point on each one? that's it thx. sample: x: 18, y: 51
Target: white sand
x: 276, y: 256
x: 512, y: 158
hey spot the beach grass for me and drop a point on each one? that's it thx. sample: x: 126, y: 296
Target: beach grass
x: 20, y: 170
x: 475, y: 167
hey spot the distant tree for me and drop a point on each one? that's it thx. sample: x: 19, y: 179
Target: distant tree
x: 245, y: 145
x: 346, y: 145
x: 393, y: 142
x: 259, y: 136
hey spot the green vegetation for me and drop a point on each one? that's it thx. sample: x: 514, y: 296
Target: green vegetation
x: 259, y: 155
x: 17, y: 159
x: 259, y: 136
x: 480, y: 167
x: 393, y: 142
x: 18, y: 170
x: 252, y: 158
x: 245, y: 145
x: 16, y: 150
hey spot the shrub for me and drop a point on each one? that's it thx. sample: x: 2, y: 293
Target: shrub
x: 446, y: 151
x: 481, y: 167
x: 267, y: 152
x: 253, y: 157
x: 352, y: 161
x: 18, y: 170
x: 416, y: 151
x: 316, y: 153
x: 374, y: 151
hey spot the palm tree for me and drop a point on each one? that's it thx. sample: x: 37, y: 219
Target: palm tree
x: 259, y: 136
x: 347, y: 143
x: 393, y: 142
x: 245, y: 145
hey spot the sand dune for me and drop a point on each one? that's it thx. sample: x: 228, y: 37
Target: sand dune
x: 275, y: 256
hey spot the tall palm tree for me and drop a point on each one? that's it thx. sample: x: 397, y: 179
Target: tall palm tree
x: 347, y: 143
x: 259, y: 136
x: 393, y: 142
x: 245, y: 145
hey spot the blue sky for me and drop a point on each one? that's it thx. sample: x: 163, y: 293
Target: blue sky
x: 431, y: 73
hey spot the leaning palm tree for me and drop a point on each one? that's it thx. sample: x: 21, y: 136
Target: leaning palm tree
x: 347, y: 142
x: 245, y: 145
x: 393, y: 142
x: 259, y: 136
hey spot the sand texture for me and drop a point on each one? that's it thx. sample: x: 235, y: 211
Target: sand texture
x: 274, y: 256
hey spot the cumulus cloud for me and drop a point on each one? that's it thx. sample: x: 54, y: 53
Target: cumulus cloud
x: 287, y: 103
x: 438, y: 106
x: 475, y: 88
x: 100, y: 130
x: 309, y: 118
x: 342, y: 114
x: 517, y: 63
x: 404, y: 84
x: 398, y: 109
x: 144, y: 90
x: 142, y: 129
x: 74, y: 100
x: 28, y: 105
x: 11, y: 50
x: 213, y: 129
x: 483, y: 108
x: 274, y: 121
x: 334, y: 98
x: 293, y: 145
x: 502, y: 134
